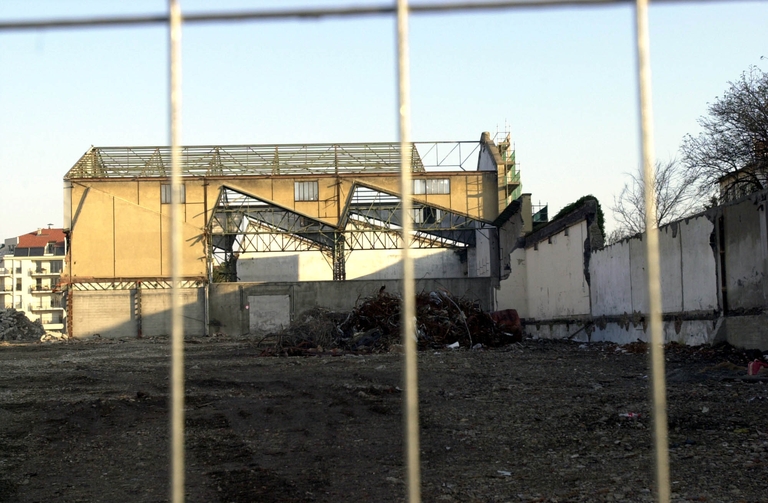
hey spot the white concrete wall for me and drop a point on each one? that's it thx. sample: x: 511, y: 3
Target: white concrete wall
x: 513, y: 291
x: 432, y: 263
x: 556, y: 284
x: 699, y: 265
x: 688, y: 272
x: 547, y: 281
x: 745, y: 263
x: 361, y: 264
x: 283, y: 266
x: 610, y: 280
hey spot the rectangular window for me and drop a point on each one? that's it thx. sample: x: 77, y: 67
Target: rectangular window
x: 165, y: 193
x: 426, y: 215
x: 56, y: 266
x: 305, y: 191
x: 18, y: 284
x: 432, y: 186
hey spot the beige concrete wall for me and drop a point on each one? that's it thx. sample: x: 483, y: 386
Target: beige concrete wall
x: 120, y: 228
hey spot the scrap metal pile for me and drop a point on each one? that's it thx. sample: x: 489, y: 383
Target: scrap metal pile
x: 374, y: 326
x: 15, y: 326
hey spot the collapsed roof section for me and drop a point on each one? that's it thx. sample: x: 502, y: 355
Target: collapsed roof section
x: 371, y: 220
x: 370, y: 211
x: 245, y: 221
x: 296, y: 159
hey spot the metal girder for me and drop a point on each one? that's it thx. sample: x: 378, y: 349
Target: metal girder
x: 255, y: 224
x: 372, y: 219
x: 132, y: 284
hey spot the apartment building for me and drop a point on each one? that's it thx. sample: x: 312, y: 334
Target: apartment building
x: 30, y: 267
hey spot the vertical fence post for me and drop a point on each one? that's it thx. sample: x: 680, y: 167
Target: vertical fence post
x: 658, y: 385
x: 408, y: 316
x: 177, y: 333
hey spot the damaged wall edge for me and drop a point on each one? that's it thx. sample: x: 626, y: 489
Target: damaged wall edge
x: 714, y: 279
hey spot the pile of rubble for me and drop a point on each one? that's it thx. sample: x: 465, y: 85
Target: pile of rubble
x: 374, y: 326
x: 15, y: 326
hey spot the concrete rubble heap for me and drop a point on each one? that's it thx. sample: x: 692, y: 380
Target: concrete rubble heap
x: 15, y: 326
x: 374, y: 326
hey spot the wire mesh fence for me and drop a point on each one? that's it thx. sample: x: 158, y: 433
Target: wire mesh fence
x: 402, y: 11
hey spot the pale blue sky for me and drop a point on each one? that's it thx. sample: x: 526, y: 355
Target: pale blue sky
x: 563, y: 79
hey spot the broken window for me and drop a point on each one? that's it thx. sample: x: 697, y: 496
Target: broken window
x: 166, y: 190
x: 305, y: 191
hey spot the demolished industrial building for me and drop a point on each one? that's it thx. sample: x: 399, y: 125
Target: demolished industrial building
x: 271, y: 231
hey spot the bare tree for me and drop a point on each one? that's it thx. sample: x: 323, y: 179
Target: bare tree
x: 731, y: 152
x: 674, y: 199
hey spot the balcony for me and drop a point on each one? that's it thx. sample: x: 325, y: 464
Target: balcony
x: 43, y: 271
x: 4, y: 271
x: 40, y: 289
x: 53, y: 305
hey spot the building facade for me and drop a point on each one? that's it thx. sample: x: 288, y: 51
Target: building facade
x: 275, y: 213
x: 30, y: 269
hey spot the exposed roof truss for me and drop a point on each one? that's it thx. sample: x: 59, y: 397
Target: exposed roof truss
x: 291, y: 159
x: 243, y: 221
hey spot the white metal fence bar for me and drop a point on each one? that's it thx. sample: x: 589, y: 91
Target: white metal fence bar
x: 303, y: 13
x: 408, y: 311
x: 658, y: 385
x: 177, y: 323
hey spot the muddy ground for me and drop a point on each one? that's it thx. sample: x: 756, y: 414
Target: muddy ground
x: 536, y: 421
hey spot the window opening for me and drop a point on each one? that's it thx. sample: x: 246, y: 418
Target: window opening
x: 432, y: 186
x: 305, y: 191
x: 166, y: 191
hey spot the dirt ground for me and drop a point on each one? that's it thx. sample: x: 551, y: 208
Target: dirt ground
x: 534, y: 421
